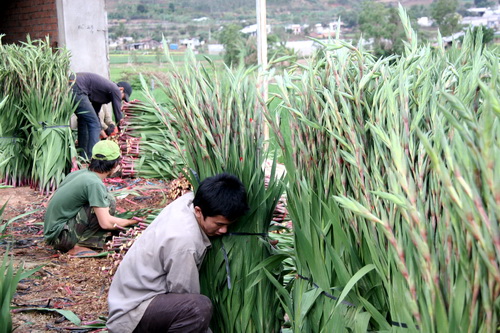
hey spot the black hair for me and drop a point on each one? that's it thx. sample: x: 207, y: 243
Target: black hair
x: 102, y: 166
x: 222, y: 194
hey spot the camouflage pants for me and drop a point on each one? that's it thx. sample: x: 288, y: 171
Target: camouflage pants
x: 84, y: 230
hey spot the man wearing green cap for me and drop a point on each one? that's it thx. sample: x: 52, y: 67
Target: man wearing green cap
x: 79, y: 214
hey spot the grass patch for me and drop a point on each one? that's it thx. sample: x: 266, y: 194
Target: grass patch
x: 128, y: 67
x: 157, y: 57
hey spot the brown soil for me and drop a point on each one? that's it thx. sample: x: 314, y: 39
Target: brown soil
x: 62, y: 282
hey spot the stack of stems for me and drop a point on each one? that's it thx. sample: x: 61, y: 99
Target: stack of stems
x: 147, y: 146
x: 36, y: 138
x: 119, y: 245
x: 393, y: 189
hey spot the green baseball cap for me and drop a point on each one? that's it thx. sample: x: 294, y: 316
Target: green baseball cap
x: 106, y: 150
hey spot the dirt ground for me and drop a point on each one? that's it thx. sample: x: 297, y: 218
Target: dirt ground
x: 79, y: 285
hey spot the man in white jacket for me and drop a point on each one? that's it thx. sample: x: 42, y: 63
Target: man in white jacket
x: 156, y: 287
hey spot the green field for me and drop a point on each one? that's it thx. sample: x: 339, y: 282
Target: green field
x: 158, y: 57
x: 128, y: 67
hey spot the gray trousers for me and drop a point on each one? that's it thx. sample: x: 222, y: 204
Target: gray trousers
x: 186, y: 313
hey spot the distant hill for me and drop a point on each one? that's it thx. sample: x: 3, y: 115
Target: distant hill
x: 239, y: 9
x: 177, y: 20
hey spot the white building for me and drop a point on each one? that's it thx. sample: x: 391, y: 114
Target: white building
x: 120, y: 43
x: 454, y: 37
x: 330, y: 31
x: 252, y: 29
x: 215, y: 49
x: 191, y: 43
x: 200, y: 19
x: 484, y: 17
x: 424, y: 21
x: 304, y: 48
x: 295, y: 29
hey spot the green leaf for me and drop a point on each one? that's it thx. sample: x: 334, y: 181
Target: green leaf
x: 70, y: 315
x: 375, y: 313
x: 2, y: 209
x: 270, y: 262
x: 355, y: 278
x: 308, y: 300
x: 396, y: 199
x: 3, y: 227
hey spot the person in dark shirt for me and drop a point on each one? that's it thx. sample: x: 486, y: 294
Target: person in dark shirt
x: 91, y: 91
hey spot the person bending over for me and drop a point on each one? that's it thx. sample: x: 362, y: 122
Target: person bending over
x: 79, y: 215
x: 91, y: 91
x: 156, y: 287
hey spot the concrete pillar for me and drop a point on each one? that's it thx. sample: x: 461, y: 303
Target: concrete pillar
x: 83, y: 31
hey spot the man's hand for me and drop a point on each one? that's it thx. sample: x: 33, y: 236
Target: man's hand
x: 110, y: 222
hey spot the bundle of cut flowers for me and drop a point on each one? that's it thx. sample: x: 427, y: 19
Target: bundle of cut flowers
x: 218, y: 112
x: 393, y: 187
x: 36, y: 143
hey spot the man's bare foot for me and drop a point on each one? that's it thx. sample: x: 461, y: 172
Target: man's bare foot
x: 81, y: 251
